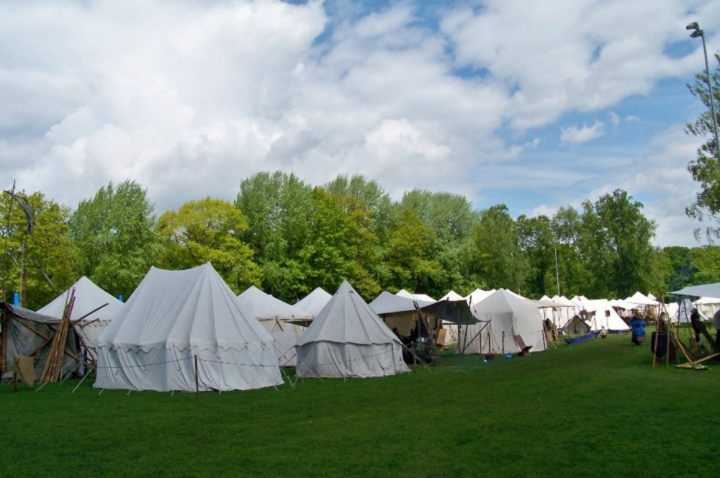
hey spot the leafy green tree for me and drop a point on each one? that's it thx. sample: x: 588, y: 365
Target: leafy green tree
x: 371, y: 197
x: 341, y: 245
x: 452, y: 218
x: 567, y: 226
x: 661, y: 271
x: 410, y: 258
x: 114, y: 233
x: 680, y: 259
x: 362, y: 196
x: 537, y: 240
x: 704, y: 168
x: 49, y: 252
x: 706, y: 264
x: 498, y: 256
x: 278, y: 209
x: 615, y: 243
x: 208, y: 230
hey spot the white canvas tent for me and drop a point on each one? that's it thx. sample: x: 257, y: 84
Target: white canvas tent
x: 707, y: 306
x: 88, y: 298
x: 286, y: 323
x: 348, y: 339
x: 576, y: 326
x: 502, y: 316
x: 564, y: 311
x: 602, y: 316
x: 640, y: 299
x: 477, y: 295
x: 452, y: 295
x: 397, y: 311
x: 314, y: 301
x: 682, y: 311
x: 175, y: 316
x: 409, y: 295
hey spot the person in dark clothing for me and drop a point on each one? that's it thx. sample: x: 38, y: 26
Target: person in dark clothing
x: 696, y: 324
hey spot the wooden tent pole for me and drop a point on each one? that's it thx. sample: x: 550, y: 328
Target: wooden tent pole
x: 657, y: 338
x: 197, y: 380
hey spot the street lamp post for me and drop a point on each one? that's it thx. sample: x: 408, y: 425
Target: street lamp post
x: 697, y: 32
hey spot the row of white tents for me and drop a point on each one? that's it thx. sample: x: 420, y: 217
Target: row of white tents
x: 185, y: 329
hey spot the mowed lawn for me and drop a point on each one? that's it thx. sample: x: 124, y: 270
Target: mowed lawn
x: 592, y: 409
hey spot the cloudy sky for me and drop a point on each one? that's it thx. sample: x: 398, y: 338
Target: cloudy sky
x: 533, y: 104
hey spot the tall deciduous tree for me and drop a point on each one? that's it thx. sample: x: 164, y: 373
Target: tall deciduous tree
x: 681, y: 263
x: 371, y: 197
x: 278, y: 208
x: 340, y: 246
x: 706, y: 264
x: 537, y: 240
x: 410, y: 257
x: 208, y: 230
x: 498, y: 256
x: 452, y: 218
x: 615, y: 242
x: 705, y: 169
x: 567, y: 227
x: 49, y: 251
x: 115, y: 236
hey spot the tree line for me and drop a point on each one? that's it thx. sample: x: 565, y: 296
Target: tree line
x: 288, y: 237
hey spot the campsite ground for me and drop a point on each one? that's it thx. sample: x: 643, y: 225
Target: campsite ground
x: 597, y: 408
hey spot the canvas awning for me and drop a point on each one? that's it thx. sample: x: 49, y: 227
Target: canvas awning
x: 705, y: 290
x: 455, y: 311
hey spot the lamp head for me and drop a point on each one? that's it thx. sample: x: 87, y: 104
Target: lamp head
x: 696, y: 33
x: 692, y: 26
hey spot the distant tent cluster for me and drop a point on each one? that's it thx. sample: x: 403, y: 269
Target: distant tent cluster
x: 187, y: 331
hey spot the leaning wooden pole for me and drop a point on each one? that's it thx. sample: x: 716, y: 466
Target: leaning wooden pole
x: 56, y: 356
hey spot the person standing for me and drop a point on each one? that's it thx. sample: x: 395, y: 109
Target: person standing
x: 638, y: 329
x: 696, y: 324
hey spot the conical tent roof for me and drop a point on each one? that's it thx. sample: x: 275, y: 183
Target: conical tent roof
x: 315, y: 301
x: 478, y: 295
x: 88, y: 297
x: 176, y: 319
x: 640, y: 299
x: 263, y: 306
x: 181, y: 309
x: 605, y: 316
x: 562, y: 301
x: 452, y: 296
x: 503, y: 301
x: 502, y: 316
x: 347, y: 318
x: 409, y: 295
x: 387, y: 303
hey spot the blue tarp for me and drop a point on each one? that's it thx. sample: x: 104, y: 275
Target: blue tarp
x: 582, y: 338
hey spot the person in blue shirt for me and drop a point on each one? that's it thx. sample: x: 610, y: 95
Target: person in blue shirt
x: 638, y: 329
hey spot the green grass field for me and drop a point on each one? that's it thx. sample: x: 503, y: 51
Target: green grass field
x: 592, y: 409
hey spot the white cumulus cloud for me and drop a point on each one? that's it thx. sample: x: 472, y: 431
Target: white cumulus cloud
x: 581, y: 134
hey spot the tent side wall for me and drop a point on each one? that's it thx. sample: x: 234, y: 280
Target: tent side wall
x: 170, y: 369
x: 498, y: 336
x: 336, y: 360
x: 23, y: 341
